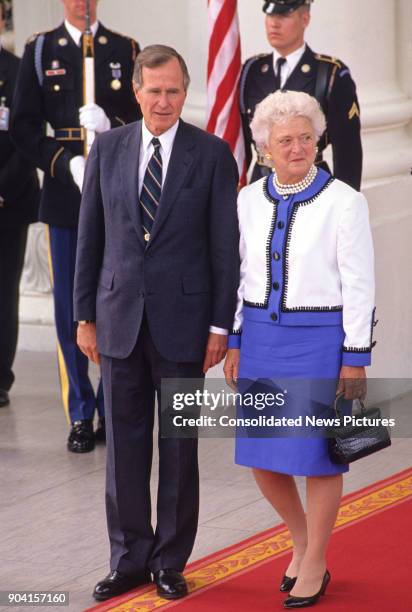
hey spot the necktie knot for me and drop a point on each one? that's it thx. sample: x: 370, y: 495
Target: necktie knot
x: 156, y: 144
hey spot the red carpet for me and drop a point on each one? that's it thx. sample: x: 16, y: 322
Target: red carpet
x: 370, y: 559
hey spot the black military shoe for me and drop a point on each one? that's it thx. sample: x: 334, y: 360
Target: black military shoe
x: 4, y: 398
x: 117, y: 583
x: 170, y: 584
x: 81, y: 437
x: 100, y: 432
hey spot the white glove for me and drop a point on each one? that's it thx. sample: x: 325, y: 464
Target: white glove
x: 93, y: 117
x: 77, y: 166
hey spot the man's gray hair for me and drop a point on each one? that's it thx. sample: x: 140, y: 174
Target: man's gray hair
x: 157, y: 55
x: 277, y: 108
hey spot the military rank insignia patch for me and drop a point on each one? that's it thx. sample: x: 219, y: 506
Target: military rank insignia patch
x: 354, y: 111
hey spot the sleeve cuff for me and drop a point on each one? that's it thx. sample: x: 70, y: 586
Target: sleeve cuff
x: 234, y: 341
x: 356, y: 359
x: 218, y: 330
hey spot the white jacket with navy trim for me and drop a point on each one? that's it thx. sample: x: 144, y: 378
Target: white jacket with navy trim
x: 328, y: 262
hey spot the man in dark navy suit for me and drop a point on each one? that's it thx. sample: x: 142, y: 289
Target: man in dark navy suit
x: 156, y: 280
x: 50, y: 90
x: 19, y: 202
x: 294, y: 66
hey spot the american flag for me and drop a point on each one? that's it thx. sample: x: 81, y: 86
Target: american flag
x: 223, y: 71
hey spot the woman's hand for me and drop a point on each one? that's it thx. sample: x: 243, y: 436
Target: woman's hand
x: 231, y: 367
x: 352, y: 382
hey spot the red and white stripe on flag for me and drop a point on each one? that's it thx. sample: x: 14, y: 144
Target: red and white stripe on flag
x: 223, y: 72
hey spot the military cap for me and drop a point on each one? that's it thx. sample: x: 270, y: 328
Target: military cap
x: 279, y: 7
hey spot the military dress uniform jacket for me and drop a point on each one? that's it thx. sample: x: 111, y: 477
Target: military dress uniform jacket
x: 330, y: 82
x: 19, y: 186
x: 50, y: 89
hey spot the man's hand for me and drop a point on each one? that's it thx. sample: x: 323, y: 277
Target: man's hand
x: 231, y: 368
x: 77, y: 166
x: 352, y: 382
x: 86, y: 340
x: 215, y: 350
x: 93, y: 117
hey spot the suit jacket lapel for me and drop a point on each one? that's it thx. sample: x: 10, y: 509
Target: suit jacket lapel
x: 129, y: 173
x: 103, y: 50
x: 69, y: 52
x: 180, y: 162
x: 300, y: 80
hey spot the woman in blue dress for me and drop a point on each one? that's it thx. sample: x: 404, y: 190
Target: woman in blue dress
x: 305, y: 313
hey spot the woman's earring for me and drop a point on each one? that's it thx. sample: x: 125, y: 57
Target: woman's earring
x: 268, y: 156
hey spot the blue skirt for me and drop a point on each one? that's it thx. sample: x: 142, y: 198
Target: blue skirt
x: 274, y: 355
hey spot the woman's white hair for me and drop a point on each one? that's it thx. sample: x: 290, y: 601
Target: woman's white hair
x: 277, y: 108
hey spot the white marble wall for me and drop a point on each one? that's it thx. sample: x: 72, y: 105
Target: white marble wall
x: 374, y: 38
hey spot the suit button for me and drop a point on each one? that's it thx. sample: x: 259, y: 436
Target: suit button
x: 276, y: 286
x: 281, y: 225
x: 56, y: 87
x: 274, y: 316
x: 276, y: 256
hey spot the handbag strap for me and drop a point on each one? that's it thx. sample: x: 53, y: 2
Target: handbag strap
x: 339, y: 398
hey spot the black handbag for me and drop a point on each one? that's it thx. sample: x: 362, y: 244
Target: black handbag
x: 350, y: 442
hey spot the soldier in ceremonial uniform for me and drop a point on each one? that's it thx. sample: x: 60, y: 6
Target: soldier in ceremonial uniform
x: 19, y: 201
x: 294, y: 66
x: 50, y: 90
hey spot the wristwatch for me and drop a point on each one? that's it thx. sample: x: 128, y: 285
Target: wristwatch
x: 84, y: 322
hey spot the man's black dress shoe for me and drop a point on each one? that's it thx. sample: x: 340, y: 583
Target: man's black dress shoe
x: 287, y: 584
x: 304, y: 602
x: 170, y: 584
x: 100, y: 431
x: 4, y: 398
x: 81, y: 437
x: 117, y: 583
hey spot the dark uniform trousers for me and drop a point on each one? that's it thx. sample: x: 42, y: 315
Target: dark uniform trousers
x: 330, y: 82
x: 130, y: 388
x: 12, y: 249
x: 50, y: 88
x: 19, y: 189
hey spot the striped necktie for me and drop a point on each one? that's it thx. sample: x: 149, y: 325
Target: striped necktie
x: 151, y: 189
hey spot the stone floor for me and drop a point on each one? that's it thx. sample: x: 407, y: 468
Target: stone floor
x: 52, y: 519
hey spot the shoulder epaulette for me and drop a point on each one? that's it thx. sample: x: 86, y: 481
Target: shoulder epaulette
x: 328, y: 58
x: 36, y: 35
x: 129, y: 38
x: 243, y: 76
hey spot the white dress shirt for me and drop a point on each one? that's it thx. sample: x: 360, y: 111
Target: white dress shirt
x: 146, y: 151
x: 77, y: 34
x: 292, y: 60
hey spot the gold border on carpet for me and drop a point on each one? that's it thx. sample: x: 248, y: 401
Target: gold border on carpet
x: 350, y: 512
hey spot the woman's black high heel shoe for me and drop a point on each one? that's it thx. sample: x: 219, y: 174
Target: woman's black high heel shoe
x: 287, y: 584
x: 304, y: 602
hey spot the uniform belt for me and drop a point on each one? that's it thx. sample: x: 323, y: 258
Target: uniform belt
x: 70, y: 134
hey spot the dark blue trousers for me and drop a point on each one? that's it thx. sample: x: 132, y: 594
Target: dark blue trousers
x: 79, y: 398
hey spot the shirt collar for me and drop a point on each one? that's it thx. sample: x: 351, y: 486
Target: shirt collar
x: 77, y: 34
x: 166, y: 139
x: 292, y: 59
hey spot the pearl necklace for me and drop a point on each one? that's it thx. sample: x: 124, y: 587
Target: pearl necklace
x: 295, y: 187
